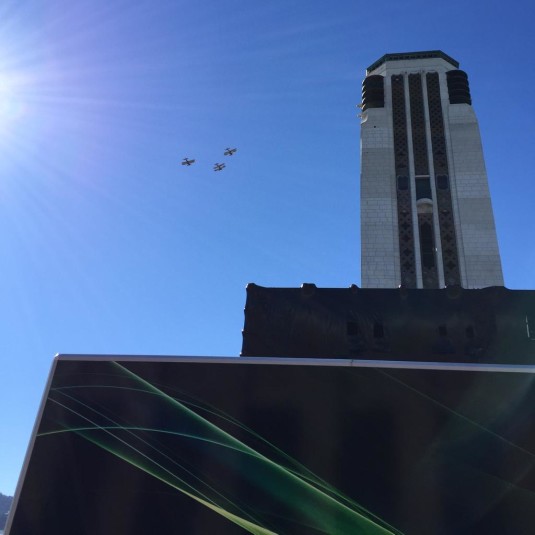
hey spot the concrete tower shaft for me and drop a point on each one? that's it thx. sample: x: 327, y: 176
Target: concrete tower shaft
x: 426, y: 214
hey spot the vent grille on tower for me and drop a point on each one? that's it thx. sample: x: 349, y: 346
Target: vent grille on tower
x: 458, y: 88
x: 373, y: 92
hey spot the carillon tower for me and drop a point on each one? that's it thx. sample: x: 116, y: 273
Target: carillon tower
x: 426, y: 214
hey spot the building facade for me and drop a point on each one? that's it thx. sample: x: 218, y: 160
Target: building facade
x: 426, y: 214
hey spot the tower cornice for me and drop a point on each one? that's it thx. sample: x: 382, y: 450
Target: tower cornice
x: 399, y: 56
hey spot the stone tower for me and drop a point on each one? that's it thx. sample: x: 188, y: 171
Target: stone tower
x: 426, y: 214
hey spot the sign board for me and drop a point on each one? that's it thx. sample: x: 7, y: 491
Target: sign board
x: 133, y: 445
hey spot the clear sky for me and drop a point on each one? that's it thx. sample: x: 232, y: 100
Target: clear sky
x: 109, y: 245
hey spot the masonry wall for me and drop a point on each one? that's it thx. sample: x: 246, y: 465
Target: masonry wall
x: 475, y: 220
x: 378, y: 212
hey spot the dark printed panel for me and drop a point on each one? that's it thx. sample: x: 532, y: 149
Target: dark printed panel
x: 167, y: 448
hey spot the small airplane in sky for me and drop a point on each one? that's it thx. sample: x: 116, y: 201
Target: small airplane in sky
x: 219, y: 166
x: 229, y: 152
x: 187, y: 162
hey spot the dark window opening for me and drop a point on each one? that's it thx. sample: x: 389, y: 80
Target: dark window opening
x: 442, y: 182
x: 530, y: 326
x: 352, y: 328
x: 442, y: 330
x: 423, y: 188
x: 470, y: 332
x: 403, y: 183
x: 378, y: 330
x: 427, y: 246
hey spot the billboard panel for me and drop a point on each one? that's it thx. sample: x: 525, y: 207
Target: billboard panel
x: 136, y: 446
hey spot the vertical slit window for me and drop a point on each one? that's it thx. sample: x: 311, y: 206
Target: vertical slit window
x: 378, y: 330
x: 427, y: 246
x: 352, y: 328
x: 442, y: 182
x: 403, y: 183
x: 446, y: 222
x: 423, y: 188
x: 404, y: 206
x: 530, y: 326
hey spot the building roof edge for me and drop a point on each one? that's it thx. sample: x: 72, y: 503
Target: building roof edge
x: 398, y: 56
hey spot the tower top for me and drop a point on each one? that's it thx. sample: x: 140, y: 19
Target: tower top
x: 399, y: 56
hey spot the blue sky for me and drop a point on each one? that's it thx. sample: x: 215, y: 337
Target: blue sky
x: 109, y: 245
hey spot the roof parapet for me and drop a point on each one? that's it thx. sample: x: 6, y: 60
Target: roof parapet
x: 399, y: 56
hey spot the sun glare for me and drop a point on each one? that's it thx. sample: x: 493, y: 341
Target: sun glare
x: 11, y: 105
x: 12, y: 110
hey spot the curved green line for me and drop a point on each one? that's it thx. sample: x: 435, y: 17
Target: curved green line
x: 311, y: 500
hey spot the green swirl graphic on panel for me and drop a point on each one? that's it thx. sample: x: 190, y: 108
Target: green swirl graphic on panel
x: 198, y: 458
